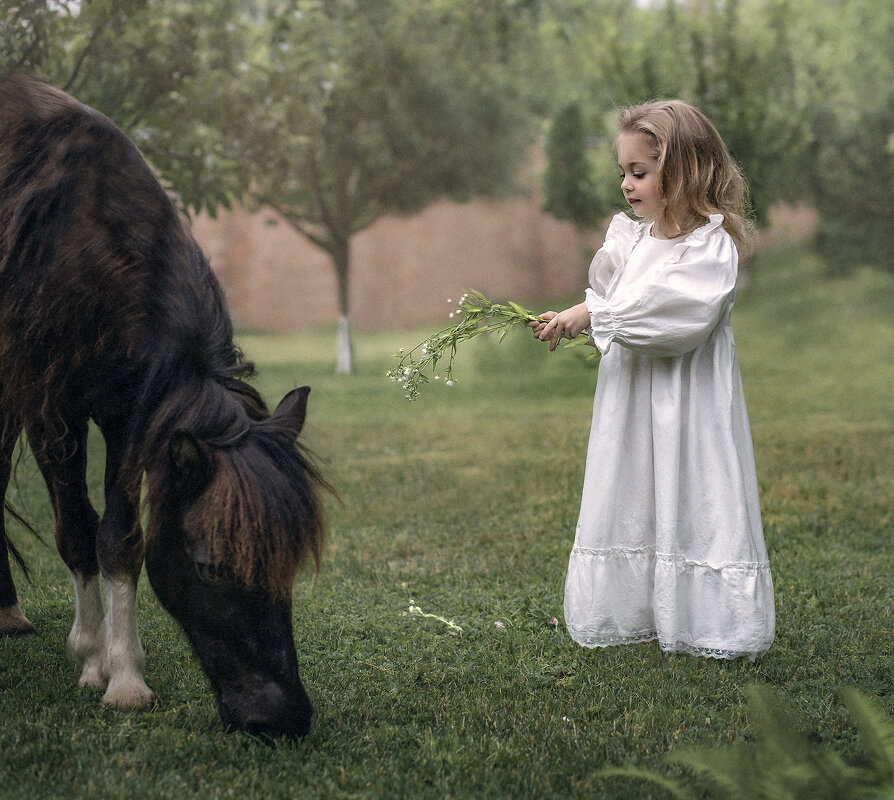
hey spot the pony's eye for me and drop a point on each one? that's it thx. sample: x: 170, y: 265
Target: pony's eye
x: 209, y: 573
x: 206, y: 567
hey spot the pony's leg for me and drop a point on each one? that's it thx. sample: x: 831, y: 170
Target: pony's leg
x: 12, y: 621
x: 64, y: 468
x: 120, y: 552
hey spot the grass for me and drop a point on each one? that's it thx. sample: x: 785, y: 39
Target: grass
x: 464, y: 504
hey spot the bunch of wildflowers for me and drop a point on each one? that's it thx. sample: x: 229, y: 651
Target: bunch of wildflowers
x: 436, y: 354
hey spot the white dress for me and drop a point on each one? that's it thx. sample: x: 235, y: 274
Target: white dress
x: 669, y: 543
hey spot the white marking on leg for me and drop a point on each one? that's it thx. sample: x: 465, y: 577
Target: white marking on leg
x: 125, y: 658
x: 87, y: 641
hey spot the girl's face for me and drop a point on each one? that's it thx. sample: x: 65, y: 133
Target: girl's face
x: 639, y: 174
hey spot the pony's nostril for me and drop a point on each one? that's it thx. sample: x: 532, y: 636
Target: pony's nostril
x: 268, y: 711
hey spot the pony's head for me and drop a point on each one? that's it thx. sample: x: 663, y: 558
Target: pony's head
x: 231, y: 517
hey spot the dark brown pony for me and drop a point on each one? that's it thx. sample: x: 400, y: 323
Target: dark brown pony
x: 109, y: 311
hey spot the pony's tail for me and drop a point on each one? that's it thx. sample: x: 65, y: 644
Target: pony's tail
x: 11, y: 548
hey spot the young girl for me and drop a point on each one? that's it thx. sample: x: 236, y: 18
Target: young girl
x: 669, y: 544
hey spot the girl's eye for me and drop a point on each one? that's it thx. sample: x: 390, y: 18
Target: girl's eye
x: 639, y: 175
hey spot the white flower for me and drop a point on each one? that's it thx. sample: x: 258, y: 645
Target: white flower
x: 448, y: 383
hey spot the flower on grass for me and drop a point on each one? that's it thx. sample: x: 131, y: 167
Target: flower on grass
x: 499, y: 624
x: 416, y: 611
x: 553, y: 622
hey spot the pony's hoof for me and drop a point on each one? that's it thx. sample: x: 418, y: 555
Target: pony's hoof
x: 14, y: 623
x: 132, y: 695
x: 92, y: 675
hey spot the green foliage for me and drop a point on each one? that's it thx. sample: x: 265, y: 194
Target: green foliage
x: 354, y: 110
x: 743, y: 60
x: 853, y: 165
x: 567, y: 184
x: 158, y: 68
x: 374, y: 108
x: 783, y: 763
x: 851, y: 162
x: 800, y: 91
x: 732, y: 58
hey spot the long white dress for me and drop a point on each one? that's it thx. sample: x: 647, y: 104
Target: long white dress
x: 669, y: 543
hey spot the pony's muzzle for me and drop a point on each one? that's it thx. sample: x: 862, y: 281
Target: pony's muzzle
x: 266, y: 710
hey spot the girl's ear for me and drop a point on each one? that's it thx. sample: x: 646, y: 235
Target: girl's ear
x: 292, y: 409
x: 191, y: 466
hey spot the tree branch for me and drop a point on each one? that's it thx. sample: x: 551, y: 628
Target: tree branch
x: 94, y: 38
x: 296, y: 220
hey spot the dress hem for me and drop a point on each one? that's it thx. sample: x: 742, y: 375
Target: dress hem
x: 718, y: 653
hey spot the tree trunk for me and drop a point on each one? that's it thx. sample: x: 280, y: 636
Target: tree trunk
x: 344, y: 358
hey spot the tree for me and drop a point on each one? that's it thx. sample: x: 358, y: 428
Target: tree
x: 151, y: 66
x: 854, y: 172
x: 735, y: 59
x: 850, y: 164
x: 371, y: 108
x: 568, y: 184
x: 745, y: 79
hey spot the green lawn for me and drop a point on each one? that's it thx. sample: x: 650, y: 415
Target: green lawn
x: 463, y: 504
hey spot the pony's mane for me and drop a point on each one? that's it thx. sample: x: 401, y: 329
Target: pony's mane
x: 262, y: 528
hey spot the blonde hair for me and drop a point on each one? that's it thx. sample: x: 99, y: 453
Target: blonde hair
x: 697, y: 176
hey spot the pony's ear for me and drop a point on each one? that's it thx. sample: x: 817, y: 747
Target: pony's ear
x: 191, y: 465
x: 292, y: 409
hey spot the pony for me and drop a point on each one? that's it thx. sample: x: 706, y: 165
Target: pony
x: 109, y: 311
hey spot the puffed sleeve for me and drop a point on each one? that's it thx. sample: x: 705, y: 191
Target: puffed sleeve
x: 679, y: 306
x: 622, y: 234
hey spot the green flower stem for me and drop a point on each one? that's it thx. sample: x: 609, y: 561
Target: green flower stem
x: 436, y: 354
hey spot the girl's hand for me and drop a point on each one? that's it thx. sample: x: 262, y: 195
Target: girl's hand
x: 569, y: 323
x: 539, y: 326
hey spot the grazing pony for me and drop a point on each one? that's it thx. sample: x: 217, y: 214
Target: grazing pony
x: 109, y: 311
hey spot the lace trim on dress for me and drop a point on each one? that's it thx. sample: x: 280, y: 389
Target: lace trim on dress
x: 667, y: 558
x: 669, y: 647
x: 611, y: 641
x: 709, y: 652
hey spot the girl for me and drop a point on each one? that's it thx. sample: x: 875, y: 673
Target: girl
x: 669, y: 544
